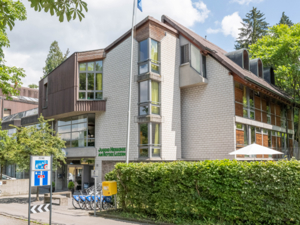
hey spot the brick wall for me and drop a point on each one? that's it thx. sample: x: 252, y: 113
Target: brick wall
x: 207, y: 116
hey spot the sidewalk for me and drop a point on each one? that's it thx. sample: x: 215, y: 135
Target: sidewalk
x: 63, y: 215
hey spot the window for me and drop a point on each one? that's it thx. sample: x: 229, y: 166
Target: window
x: 252, y: 135
x: 7, y: 112
x: 185, y: 54
x: 149, y: 143
x: 195, y: 58
x: 45, y: 95
x: 149, y: 56
x: 258, y: 130
x: 149, y: 98
x: 78, y: 131
x: 269, y: 139
x: 245, y: 135
x: 91, y: 81
x: 239, y: 126
x: 204, y: 65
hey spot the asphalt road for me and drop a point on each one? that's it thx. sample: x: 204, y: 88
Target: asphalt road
x: 62, y: 215
x: 4, y: 220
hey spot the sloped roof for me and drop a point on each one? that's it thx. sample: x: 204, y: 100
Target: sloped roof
x: 219, y: 54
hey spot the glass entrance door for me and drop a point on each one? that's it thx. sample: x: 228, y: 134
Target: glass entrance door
x: 75, y: 174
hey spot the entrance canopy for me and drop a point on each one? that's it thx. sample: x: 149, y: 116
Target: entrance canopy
x: 255, y: 149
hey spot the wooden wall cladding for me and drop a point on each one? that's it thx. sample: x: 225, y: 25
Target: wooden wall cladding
x: 61, y: 85
x: 264, y: 117
x: 273, y: 120
x: 238, y: 109
x: 259, y: 139
x: 90, y: 55
x: 278, y: 121
x: 279, y: 143
x: 290, y: 123
x: 239, y: 137
x: 238, y: 95
x: 265, y: 140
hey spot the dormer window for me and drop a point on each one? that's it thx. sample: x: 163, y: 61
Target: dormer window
x: 240, y: 57
x: 256, y: 67
x: 90, y: 81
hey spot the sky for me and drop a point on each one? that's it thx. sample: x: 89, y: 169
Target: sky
x: 106, y: 20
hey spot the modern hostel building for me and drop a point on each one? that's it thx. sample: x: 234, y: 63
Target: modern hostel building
x: 191, y: 100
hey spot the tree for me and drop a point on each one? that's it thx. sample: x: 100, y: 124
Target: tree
x: 38, y: 140
x: 254, y: 27
x: 54, y: 58
x: 33, y: 86
x: 281, y: 50
x: 12, y: 10
x: 7, y: 148
x: 285, y: 20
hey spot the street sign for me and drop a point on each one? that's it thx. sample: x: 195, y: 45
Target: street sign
x: 40, y: 208
x: 94, y: 173
x: 40, y: 175
x: 40, y: 178
x: 41, y: 163
x: 40, y: 171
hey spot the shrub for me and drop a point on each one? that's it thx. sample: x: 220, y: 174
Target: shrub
x: 223, y: 190
x: 71, y: 185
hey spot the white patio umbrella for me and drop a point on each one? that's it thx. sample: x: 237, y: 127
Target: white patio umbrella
x: 255, y: 149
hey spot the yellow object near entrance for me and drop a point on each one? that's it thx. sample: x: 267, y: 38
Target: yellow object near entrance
x: 109, y: 188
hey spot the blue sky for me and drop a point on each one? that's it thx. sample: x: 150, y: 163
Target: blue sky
x: 220, y: 8
x: 107, y: 20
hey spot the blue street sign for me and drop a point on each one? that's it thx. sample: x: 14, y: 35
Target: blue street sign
x: 41, y: 164
x: 41, y: 178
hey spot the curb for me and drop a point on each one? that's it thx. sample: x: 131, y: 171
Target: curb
x: 20, y: 218
x: 106, y: 215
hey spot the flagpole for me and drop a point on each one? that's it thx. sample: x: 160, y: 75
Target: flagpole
x: 130, y: 81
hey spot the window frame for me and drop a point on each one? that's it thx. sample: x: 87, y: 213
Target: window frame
x: 149, y: 102
x: 149, y: 61
x: 149, y: 146
x: 87, y: 72
x: 71, y: 132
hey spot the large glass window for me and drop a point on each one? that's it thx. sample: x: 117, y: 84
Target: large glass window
x: 195, y: 58
x: 149, y: 144
x: 149, y: 56
x: 90, y: 80
x: 149, y: 98
x: 78, y: 131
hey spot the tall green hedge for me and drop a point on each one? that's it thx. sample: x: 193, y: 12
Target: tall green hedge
x: 224, y: 190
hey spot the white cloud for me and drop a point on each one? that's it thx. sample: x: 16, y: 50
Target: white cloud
x: 103, y: 23
x: 213, y: 31
x: 230, y: 26
x: 246, y: 2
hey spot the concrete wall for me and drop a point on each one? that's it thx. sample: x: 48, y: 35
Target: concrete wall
x: 16, y: 187
x: 208, y: 116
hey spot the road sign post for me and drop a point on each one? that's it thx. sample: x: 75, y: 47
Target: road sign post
x: 95, y: 175
x: 40, y: 174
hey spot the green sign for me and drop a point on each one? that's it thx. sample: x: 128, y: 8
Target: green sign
x: 112, y: 152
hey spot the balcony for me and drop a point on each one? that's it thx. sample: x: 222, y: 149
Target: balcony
x: 189, y: 77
